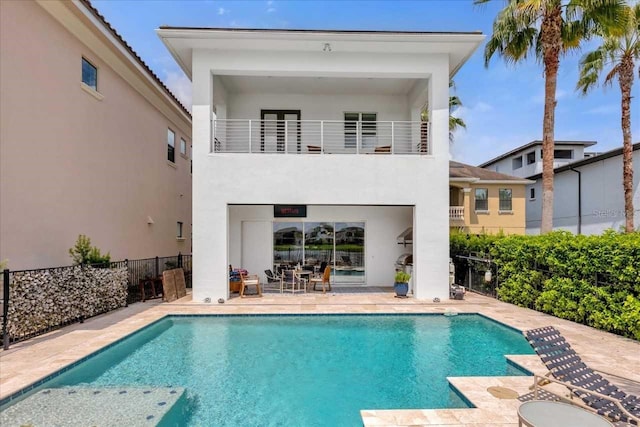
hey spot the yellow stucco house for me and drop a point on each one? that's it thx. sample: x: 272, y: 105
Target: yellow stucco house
x: 484, y: 201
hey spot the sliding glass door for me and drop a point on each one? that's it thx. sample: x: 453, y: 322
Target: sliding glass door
x: 314, y: 245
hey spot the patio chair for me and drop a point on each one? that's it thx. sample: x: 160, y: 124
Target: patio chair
x: 246, y: 281
x: 293, y: 281
x: 325, y: 278
x: 567, y: 368
x: 273, y: 278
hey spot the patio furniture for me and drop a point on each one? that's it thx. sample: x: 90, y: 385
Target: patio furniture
x: 246, y: 281
x: 544, y: 413
x: 150, y: 282
x: 325, y: 278
x: 272, y: 277
x: 383, y: 149
x: 567, y: 368
x: 291, y: 279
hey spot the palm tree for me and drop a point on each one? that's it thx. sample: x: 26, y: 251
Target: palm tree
x: 620, y: 54
x: 547, y: 29
x: 455, y: 123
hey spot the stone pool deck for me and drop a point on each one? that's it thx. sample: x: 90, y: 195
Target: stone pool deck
x: 29, y: 361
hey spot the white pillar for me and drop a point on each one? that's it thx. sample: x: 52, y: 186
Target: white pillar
x: 431, y: 213
x: 210, y: 278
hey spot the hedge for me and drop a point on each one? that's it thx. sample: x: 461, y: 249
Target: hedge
x: 593, y: 280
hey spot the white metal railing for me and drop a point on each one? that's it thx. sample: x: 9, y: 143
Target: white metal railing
x: 319, y: 137
x: 456, y: 212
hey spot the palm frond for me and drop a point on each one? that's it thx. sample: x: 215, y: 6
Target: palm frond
x: 608, y: 80
x: 515, y: 34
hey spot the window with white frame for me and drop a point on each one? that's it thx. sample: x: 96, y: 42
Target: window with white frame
x: 171, y: 146
x: 368, y: 129
x: 505, y: 199
x: 179, y: 230
x: 183, y: 147
x: 532, y: 194
x: 89, y: 74
x: 563, y: 154
x: 517, y: 162
x: 531, y: 157
x: 482, y: 199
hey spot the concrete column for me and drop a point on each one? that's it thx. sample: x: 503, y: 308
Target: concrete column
x: 466, y: 202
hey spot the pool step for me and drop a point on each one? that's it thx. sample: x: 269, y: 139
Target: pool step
x: 90, y: 406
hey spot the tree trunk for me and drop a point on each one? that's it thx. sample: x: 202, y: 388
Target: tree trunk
x: 551, y: 45
x: 625, y: 79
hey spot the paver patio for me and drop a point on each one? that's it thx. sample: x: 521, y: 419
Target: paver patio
x: 618, y: 357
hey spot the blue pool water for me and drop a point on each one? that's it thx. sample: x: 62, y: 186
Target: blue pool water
x: 304, y: 370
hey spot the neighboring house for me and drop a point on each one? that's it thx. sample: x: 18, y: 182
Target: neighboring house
x: 526, y: 160
x: 91, y: 141
x: 588, y: 195
x: 329, y: 124
x: 484, y: 201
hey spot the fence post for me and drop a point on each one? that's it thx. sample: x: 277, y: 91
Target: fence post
x: 157, y: 267
x: 179, y: 260
x: 5, y: 308
x: 126, y: 265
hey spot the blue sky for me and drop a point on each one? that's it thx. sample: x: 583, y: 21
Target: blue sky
x: 503, y: 104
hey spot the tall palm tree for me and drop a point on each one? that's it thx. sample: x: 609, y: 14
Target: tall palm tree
x: 455, y: 123
x: 619, y: 54
x: 547, y: 29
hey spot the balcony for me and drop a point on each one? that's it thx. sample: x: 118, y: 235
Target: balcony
x: 456, y: 213
x: 319, y: 137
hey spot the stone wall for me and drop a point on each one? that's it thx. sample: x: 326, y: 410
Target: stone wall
x: 44, y: 299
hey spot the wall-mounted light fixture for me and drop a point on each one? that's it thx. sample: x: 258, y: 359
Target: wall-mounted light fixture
x: 327, y: 47
x: 149, y: 220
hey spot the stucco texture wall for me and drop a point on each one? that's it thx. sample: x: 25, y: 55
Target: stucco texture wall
x: 494, y: 221
x: 73, y: 164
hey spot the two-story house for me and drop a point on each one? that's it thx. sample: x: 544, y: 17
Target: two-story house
x: 91, y: 141
x: 309, y: 147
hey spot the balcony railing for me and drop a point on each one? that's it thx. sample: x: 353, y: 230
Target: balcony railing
x: 456, y: 212
x: 319, y: 137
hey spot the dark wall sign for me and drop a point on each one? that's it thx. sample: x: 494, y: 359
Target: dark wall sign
x: 290, y: 211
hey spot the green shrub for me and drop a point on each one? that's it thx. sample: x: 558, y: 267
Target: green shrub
x: 84, y: 253
x: 593, y: 280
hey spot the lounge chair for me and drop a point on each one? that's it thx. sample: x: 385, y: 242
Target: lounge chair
x: 567, y: 368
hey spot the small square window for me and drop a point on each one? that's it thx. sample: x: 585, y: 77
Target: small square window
x: 171, y: 146
x: 517, y: 162
x: 89, y: 74
x: 183, y: 147
x: 179, y: 230
x: 531, y: 157
x: 532, y: 194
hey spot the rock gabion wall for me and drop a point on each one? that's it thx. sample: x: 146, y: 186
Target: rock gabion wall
x: 43, y: 299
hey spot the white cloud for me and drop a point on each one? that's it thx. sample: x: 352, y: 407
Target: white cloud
x: 270, y: 2
x: 222, y: 11
x: 180, y: 86
x: 233, y: 23
x: 271, y: 10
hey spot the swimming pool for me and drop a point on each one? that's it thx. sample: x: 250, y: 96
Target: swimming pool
x: 303, y: 370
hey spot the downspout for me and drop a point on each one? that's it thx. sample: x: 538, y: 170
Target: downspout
x: 579, y: 200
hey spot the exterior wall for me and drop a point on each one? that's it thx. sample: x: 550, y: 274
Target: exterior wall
x: 319, y: 107
x: 223, y: 179
x: 602, y: 198
x: 494, y: 221
x: 73, y: 164
x: 506, y: 165
x: 382, y: 226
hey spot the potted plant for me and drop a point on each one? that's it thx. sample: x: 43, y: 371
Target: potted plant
x: 401, y: 285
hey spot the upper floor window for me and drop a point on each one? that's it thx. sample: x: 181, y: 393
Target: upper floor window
x: 505, y: 199
x: 171, y: 146
x: 532, y: 194
x: 368, y: 129
x: 183, y: 147
x: 482, y: 199
x: 517, y: 162
x: 179, y: 230
x: 191, y: 159
x: 563, y: 154
x: 89, y: 74
x: 531, y: 157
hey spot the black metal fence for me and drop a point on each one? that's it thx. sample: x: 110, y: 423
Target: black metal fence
x: 138, y: 270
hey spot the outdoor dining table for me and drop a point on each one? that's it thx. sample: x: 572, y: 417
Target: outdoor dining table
x: 545, y: 413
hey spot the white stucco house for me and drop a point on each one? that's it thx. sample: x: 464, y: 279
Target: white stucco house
x: 308, y: 148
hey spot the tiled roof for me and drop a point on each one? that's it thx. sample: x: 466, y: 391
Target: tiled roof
x: 461, y: 170
x: 133, y: 53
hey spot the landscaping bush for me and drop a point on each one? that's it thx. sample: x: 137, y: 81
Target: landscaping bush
x: 594, y: 280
